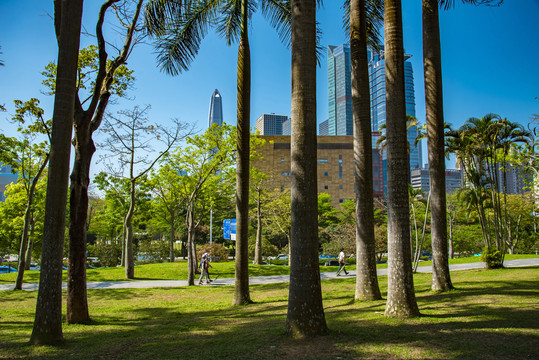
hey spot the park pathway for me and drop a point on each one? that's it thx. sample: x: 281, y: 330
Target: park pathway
x: 259, y: 279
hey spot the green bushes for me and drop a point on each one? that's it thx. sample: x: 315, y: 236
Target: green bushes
x: 492, y: 258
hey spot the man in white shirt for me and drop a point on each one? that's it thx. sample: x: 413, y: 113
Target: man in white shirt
x: 342, y: 263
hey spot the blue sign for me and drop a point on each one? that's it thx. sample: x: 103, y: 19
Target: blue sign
x: 229, y: 229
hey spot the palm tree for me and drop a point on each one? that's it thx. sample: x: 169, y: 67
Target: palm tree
x: 366, y: 281
x: 47, y: 328
x: 432, y: 64
x: 180, y: 27
x: 401, y: 302
x: 305, y: 315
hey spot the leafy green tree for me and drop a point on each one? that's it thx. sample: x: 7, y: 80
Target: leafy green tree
x: 111, y: 77
x: 259, y: 196
x: 47, y: 329
x: 204, y: 165
x: 28, y: 158
x: 130, y: 135
x: 180, y: 27
x: 278, y: 214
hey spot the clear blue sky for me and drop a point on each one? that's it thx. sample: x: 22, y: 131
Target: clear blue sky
x: 490, y: 64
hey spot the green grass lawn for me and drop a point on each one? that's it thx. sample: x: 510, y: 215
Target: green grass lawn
x: 493, y: 314
x: 178, y: 270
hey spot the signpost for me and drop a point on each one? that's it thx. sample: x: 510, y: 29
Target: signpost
x: 229, y: 229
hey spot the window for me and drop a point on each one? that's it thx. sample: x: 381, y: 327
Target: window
x: 285, y: 173
x: 340, y: 187
x: 325, y: 187
x: 322, y: 161
x: 282, y: 160
x: 326, y: 173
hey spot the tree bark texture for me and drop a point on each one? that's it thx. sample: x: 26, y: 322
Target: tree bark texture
x: 241, y: 283
x: 401, y: 302
x: 305, y: 315
x: 47, y: 328
x: 432, y: 63
x: 128, y: 225
x: 77, y: 299
x: 367, y: 280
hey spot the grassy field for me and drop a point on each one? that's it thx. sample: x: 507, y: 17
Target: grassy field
x: 493, y: 314
x: 178, y: 270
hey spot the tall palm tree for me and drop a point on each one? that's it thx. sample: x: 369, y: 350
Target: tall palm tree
x: 363, y: 16
x: 180, y: 27
x: 432, y: 64
x: 401, y: 301
x: 47, y: 328
x: 305, y: 315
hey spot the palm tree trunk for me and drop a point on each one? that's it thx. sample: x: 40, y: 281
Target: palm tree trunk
x: 241, y: 284
x: 401, y: 302
x: 366, y: 281
x: 305, y: 315
x: 47, y: 328
x: 432, y: 63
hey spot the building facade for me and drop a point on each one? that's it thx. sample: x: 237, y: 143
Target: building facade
x: 272, y: 125
x: 335, y: 166
x: 420, y: 179
x: 339, y: 90
x: 216, y: 109
x: 6, y: 178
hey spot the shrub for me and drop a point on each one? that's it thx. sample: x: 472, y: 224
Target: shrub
x: 108, y: 255
x: 493, y: 258
x: 218, y: 252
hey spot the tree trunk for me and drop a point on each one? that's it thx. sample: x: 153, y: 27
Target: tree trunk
x: 77, y: 298
x: 128, y: 226
x: 172, y: 238
x: 30, y: 244
x: 432, y: 63
x: 241, y: 283
x: 191, y: 254
x: 258, y: 245
x: 47, y: 328
x: 366, y: 280
x: 401, y: 302
x: 305, y: 315
x: 451, y: 249
x: 22, y: 265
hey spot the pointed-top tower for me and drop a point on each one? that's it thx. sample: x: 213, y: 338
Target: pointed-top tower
x: 216, y: 109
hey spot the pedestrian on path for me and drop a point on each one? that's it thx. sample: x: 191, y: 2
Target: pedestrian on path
x: 204, y: 266
x: 342, y: 263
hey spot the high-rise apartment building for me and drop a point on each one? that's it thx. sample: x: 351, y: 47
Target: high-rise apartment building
x: 421, y: 179
x: 216, y: 109
x: 271, y: 124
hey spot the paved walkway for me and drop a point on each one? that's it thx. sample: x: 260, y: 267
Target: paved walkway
x: 258, y: 279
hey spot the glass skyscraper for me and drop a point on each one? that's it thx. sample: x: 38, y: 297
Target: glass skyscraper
x: 340, y: 121
x: 271, y: 124
x: 339, y: 91
x: 216, y: 109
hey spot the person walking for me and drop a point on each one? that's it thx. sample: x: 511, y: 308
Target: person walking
x: 204, y: 266
x: 342, y: 263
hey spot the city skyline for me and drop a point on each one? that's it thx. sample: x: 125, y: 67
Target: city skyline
x: 474, y: 83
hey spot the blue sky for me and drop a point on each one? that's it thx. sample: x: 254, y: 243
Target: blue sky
x: 490, y: 59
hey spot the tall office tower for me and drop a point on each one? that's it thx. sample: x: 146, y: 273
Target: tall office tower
x: 378, y: 100
x: 216, y: 109
x: 339, y: 90
x: 287, y: 127
x: 323, y: 128
x: 271, y: 124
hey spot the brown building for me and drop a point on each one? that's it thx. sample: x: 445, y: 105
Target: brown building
x: 334, y: 161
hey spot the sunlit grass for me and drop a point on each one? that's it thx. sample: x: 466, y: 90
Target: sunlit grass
x: 492, y: 315
x: 178, y: 270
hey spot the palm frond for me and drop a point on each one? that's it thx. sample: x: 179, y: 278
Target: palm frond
x: 278, y: 13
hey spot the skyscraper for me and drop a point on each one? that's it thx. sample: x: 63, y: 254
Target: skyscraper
x: 339, y: 91
x: 271, y: 124
x: 216, y: 109
x: 378, y: 100
x: 340, y: 121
